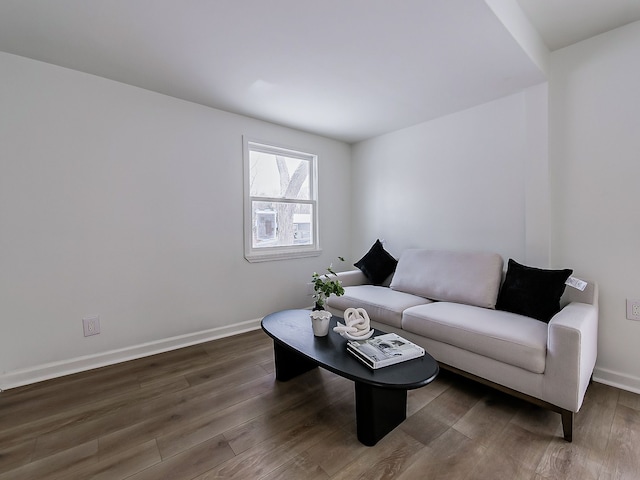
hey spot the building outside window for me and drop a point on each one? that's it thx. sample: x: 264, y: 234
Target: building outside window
x: 280, y: 202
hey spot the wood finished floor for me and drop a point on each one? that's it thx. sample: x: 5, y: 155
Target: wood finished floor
x: 215, y: 411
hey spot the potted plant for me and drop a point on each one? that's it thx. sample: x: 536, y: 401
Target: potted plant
x: 324, y: 285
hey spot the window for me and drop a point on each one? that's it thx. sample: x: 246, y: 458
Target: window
x: 281, y: 211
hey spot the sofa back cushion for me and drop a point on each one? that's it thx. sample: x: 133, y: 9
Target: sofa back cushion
x: 471, y: 278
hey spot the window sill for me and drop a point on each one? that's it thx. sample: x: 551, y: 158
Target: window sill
x: 281, y: 255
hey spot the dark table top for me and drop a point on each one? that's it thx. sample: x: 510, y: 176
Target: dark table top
x: 292, y: 329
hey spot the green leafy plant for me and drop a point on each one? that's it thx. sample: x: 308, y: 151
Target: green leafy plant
x: 324, y: 285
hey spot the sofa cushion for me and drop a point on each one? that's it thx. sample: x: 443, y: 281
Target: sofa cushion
x: 381, y: 303
x: 531, y: 291
x: 377, y: 264
x: 507, y: 337
x: 472, y: 278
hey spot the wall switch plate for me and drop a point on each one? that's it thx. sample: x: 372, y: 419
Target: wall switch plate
x: 91, y: 325
x: 633, y: 309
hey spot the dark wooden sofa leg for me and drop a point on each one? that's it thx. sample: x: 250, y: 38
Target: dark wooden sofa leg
x: 567, y: 424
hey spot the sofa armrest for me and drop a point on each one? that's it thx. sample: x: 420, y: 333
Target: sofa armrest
x: 353, y: 277
x: 589, y: 295
x: 572, y: 348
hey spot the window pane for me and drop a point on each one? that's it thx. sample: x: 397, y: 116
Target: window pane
x: 279, y: 224
x: 278, y: 176
x: 280, y: 207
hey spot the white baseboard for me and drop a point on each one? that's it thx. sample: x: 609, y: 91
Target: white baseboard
x: 616, y: 379
x: 48, y: 371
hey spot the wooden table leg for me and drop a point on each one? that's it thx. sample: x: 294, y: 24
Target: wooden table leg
x: 289, y: 364
x: 378, y: 411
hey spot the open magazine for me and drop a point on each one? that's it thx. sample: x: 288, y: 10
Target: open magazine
x: 384, y: 350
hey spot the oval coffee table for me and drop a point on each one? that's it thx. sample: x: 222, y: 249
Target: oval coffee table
x: 381, y: 394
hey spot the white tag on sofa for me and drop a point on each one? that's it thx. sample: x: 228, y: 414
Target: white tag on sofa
x: 576, y: 283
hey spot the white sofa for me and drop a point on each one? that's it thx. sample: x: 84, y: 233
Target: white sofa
x: 445, y: 301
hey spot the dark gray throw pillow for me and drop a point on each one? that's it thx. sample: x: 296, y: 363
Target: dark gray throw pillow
x: 531, y: 291
x: 377, y: 264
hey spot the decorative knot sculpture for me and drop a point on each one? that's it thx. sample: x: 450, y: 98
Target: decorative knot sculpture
x: 357, y: 323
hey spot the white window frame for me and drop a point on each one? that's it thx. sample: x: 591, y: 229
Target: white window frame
x: 264, y: 254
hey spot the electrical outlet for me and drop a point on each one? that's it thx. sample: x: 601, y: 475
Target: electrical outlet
x: 633, y: 309
x: 91, y: 325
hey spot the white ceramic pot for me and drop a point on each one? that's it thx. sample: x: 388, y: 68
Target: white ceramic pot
x: 320, y: 322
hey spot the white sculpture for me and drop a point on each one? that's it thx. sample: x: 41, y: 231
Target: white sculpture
x: 358, y: 325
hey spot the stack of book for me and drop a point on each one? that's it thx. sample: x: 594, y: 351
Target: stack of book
x: 384, y: 350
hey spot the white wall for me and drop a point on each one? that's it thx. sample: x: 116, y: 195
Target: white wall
x: 536, y: 173
x: 595, y: 166
x: 125, y: 203
x: 457, y: 182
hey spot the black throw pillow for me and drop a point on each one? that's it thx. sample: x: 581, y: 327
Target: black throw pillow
x: 377, y: 264
x: 531, y: 291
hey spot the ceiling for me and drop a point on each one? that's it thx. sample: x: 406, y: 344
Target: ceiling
x: 564, y: 22
x: 345, y: 69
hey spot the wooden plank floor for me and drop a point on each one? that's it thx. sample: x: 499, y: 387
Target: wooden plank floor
x: 215, y: 411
